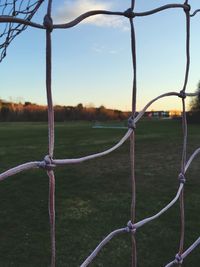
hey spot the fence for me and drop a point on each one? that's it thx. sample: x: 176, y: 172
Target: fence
x: 17, y: 19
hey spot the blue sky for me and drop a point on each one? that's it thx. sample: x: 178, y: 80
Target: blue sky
x: 92, y: 61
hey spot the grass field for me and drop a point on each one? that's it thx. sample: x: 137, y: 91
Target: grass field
x: 93, y: 198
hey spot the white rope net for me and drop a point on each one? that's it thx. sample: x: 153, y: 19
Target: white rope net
x: 16, y: 16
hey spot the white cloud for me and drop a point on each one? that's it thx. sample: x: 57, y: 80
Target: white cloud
x: 71, y: 9
x: 98, y: 48
x: 102, y: 49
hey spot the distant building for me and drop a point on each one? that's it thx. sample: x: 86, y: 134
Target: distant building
x: 163, y: 114
x: 157, y: 114
x: 175, y: 113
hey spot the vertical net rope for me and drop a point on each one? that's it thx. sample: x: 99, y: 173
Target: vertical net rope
x: 15, y: 16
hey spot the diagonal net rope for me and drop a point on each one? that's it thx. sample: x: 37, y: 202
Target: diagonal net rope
x: 49, y: 162
x: 23, y: 9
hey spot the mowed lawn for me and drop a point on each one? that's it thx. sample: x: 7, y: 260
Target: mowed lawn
x: 93, y: 198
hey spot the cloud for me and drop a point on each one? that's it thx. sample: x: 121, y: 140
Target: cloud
x: 71, y: 9
x: 98, y: 48
x: 102, y: 49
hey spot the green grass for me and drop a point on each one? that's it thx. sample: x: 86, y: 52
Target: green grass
x: 93, y: 198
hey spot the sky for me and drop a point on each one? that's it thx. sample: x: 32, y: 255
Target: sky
x: 92, y: 61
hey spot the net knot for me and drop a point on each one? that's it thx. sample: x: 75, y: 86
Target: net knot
x: 187, y: 7
x: 47, y: 163
x: 130, y: 227
x: 178, y: 259
x: 131, y: 123
x: 48, y: 23
x: 129, y: 13
x: 181, y: 178
x: 182, y: 94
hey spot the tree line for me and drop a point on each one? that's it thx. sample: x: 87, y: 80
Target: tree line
x: 10, y: 111
x: 28, y: 111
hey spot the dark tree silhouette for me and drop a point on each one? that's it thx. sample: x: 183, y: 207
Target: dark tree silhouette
x: 195, y: 102
x: 193, y: 115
